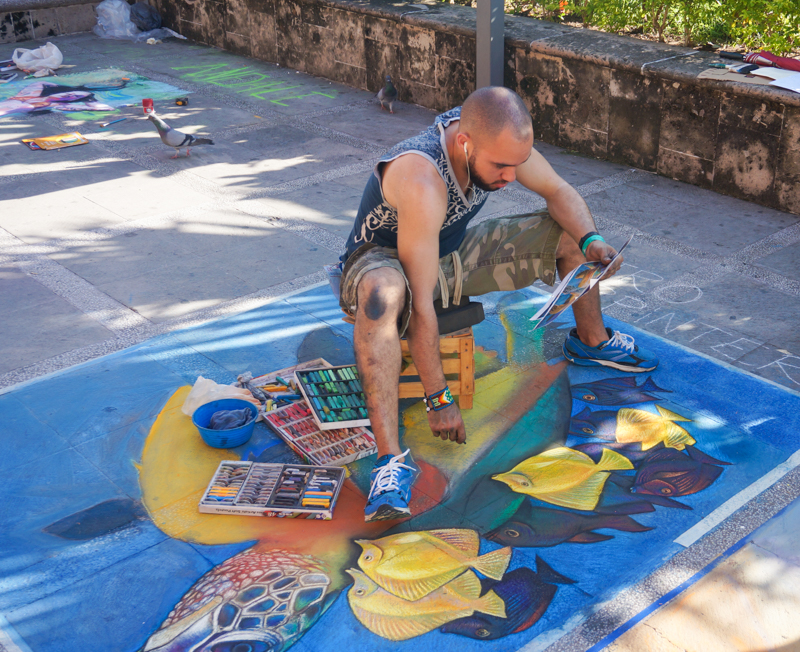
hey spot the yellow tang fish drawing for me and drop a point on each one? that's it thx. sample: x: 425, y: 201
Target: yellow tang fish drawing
x: 565, y: 477
x: 397, y: 619
x: 412, y: 564
x: 650, y: 429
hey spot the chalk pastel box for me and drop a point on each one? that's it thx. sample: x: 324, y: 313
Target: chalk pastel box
x: 335, y: 396
x: 275, y: 490
x: 295, y: 425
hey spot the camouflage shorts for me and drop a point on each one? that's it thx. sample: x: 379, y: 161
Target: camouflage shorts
x: 506, y: 253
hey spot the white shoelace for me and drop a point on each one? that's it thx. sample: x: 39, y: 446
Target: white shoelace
x: 622, y: 340
x: 386, y: 478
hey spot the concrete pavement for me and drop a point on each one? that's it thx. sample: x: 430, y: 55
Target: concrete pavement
x: 107, y: 245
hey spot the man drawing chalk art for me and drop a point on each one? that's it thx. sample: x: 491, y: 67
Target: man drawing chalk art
x: 412, y: 244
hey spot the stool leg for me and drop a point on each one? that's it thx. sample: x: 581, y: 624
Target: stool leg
x: 466, y: 357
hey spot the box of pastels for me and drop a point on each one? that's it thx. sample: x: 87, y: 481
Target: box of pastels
x: 334, y: 395
x: 297, y: 427
x: 277, y: 490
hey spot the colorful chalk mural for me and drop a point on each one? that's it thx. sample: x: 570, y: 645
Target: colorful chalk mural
x: 99, y: 91
x: 573, y: 484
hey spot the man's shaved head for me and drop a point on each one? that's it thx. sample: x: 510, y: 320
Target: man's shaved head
x: 493, y: 109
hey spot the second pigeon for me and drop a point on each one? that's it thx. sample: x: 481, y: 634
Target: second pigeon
x: 174, y: 138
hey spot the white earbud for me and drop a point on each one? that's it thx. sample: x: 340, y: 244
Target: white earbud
x: 465, y: 150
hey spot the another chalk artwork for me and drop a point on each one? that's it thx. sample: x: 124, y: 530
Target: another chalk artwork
x: 97, y: 91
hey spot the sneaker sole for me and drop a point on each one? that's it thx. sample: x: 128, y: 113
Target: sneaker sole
x: 607, y: 363
x: 387, y: 513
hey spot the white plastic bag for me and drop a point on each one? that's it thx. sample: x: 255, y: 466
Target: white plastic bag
x: 41, y: 61
x: 205, y: 391
x: 114, y: 20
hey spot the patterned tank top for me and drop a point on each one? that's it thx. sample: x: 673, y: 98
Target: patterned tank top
x: 376, y: 221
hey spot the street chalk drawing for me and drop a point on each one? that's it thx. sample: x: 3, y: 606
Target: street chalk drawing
x: 574, y: 484
x: 248, y: 81
x: 83, y: 95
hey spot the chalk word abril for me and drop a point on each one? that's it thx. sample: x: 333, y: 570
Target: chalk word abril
x: 247, y: 80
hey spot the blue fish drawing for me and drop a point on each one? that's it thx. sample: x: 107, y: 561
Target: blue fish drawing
x: 619, y: 491
x: 601, y: 424
x: 527, y: 595
x: 669, y: 472
x: 617, y: 391
x: 542, y: 527
x: 633, y: 452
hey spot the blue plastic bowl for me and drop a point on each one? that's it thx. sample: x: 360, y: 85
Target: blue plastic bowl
x: 224, y: 438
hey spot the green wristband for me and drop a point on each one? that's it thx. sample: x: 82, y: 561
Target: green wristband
x: 589, y: 241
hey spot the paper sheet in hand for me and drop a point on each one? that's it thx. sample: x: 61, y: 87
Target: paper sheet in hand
x: 575, y: 284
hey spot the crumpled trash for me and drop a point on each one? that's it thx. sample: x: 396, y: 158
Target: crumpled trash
x: 153, y: 41
x: 114, y: 20
x: 41, y: 62
x: 206, y: 390
x: 229, y: 419
x: 145, y: 17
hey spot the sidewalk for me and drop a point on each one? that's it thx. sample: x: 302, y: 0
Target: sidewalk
x: 211, y: 265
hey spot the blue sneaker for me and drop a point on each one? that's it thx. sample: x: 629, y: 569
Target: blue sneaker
x: 619, y: 352
x: 390, y: 488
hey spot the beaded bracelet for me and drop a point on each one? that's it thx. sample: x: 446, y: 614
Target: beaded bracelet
x: 439, y: 400
x: 589, y: 239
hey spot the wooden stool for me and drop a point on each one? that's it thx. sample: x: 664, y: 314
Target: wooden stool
x: 458, y: 363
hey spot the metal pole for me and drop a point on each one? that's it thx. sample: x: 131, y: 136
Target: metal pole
x: 489, y: 54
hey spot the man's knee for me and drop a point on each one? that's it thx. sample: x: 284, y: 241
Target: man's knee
x: 381, y: 293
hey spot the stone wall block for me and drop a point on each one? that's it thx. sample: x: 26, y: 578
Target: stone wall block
x: 745, y: 164
x: 263, y: 6
x: 787, y: 177
x: 346, y: 28
x: 238, y: 44
x: 740, y: 111
x: 583, y: 108
x: 263, y: 38
x: 422, y: 94
x: 44, y: 23
x: 7, y: 29
x: 455, y: 46
x: 381, y: 59
x: 78, y: 18
x: 291, y: 34
x: 417, y: 56
x: 634, y: 119
x: 454, y: 80
x: 170, y: 14
x: 538, y: 84
x: 237, y: 18
x: 689, y: 120
x: 214, y: 23
x: 382, y: 30
x: 685, y: 167
x: 23, y: 31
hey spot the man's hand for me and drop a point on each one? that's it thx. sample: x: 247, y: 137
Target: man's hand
x: 448, y: 424
x: 603, y: 252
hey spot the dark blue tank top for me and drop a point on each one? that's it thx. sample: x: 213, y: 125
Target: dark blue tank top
x: 376, y: 221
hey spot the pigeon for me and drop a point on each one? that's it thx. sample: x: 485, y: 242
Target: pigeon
x: 388, y: 94
x: 174, y: 138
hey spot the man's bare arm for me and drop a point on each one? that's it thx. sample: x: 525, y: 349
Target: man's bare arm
x: 414, y: 187
x: 564, y: 203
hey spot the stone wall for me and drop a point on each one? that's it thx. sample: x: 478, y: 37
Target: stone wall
x: 23, y: 20
x: 610, y: 97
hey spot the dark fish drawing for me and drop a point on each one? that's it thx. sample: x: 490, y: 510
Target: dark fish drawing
x: 633, y: 452
x: 98, y: 520
x: 542, y: 527
x: 601, y: 424
x: 527, y: 595
x: 669, y: 472
x: 624, y: 493
x: 617, y: 391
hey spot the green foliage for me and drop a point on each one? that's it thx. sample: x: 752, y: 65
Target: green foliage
x: 754, y: 24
